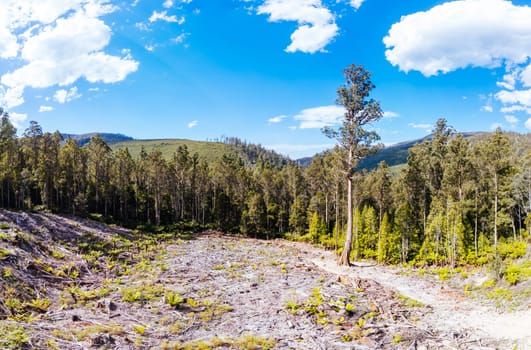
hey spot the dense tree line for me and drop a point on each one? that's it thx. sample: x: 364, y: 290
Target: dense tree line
x: 455, y: 201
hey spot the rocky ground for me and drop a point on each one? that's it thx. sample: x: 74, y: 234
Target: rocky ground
x: 68, y: 283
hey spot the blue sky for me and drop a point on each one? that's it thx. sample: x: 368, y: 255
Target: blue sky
x: 265, y: 71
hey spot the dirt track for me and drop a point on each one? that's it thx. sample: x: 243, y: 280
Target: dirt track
x: 452, y: 310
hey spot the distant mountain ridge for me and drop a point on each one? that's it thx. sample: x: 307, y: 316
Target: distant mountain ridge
x: 109, y: 138
x: 393, y: 155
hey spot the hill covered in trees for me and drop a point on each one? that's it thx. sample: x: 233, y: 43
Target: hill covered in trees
x: 392, y: 155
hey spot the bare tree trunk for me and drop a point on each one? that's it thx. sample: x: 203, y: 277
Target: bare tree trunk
x: 326, y: 211
x: 495, y: 213
x: 337, y: 217
x: 345, y: 255
x: 476, y: 225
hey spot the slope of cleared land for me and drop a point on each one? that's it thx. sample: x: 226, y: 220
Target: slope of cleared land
x: 69, y: 283
x: 208, y: 151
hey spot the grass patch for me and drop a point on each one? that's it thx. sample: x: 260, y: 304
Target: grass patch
x: 409, y: 302
x: 246, y: 342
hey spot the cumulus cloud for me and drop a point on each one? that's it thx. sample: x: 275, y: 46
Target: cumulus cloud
x: 390, y: 114
x: 8, y: 44
x: 167, y: 4
x: 163, y: 16
x: 528, y: 124
x: 453, y: 35
x: 17, y: 119
x: 11, y: 97
x: 356, y: 3
x: 45, y: 109
x: 427, y: 127
x: 516, y: 108
x: 508, y: 82
x: 316, y: 23
x: 63, y: 96
x: 277, y: 119
x: 57, y: 43
x: 193, y: 124
x: 179, y: 39
x: 511, y: 119
x: 517, y: 98
x: 487, y: 108
x: 319, y: 117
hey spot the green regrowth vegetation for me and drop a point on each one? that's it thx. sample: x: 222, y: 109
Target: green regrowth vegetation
x: 246, y: 342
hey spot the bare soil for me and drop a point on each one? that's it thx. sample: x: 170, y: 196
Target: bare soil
x: 217, y: 291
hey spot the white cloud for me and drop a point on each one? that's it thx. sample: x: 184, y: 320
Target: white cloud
x: 316, y: 23
x: 163, y: 16
x: 452, y: 36
x: 528, y: 124
x: 390, y: 114
x: 427, y: 127
x: 168, y: 3
x: 8, y: 44
x: 515, y: 108
x: 142, y: 26
x: 356, y: 3
x: 318, y: 117
x: 487, y: 108
x: 45, y: 109
x: 525, y: 76
x: 17, y: 118
x: 11, y: 97
x: 58, y: 43
x: 193, y: 123
x: 181, y: 37
x: 276, y: 119
x: 509, y: 82
x: 511, y: 119
x: 516, y: 97
x: 63, y: 96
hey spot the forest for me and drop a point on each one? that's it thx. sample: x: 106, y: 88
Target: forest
x: 455, y: 202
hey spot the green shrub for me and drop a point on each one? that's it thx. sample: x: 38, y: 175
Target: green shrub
x: 5, y: 253
x: 173, y: 299
x: 517, y: 272
x: 512, y: 250
x: 14, y: 337
x: 444, y: 273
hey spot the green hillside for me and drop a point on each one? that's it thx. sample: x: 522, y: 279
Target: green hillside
x: 208, y: 151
